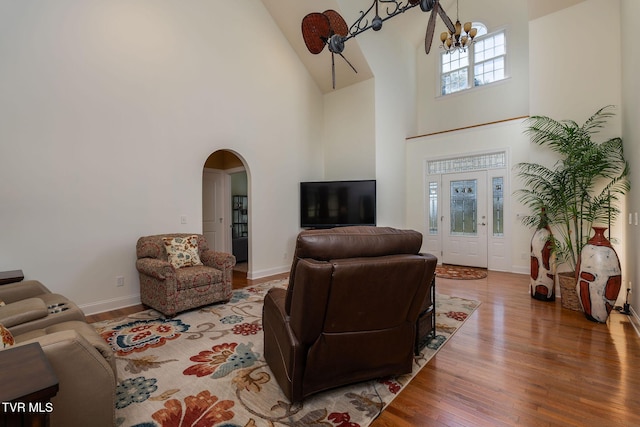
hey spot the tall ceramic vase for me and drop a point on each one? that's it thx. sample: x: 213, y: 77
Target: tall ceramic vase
x: 599, y: 277
x: 542, y: 280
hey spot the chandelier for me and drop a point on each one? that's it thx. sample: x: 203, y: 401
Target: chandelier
x: 453, y: 41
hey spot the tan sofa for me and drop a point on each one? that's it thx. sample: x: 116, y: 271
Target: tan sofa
x: 31, y: 305
x: 82, y: 361
x: 171, y: 290
x: 86, y: 371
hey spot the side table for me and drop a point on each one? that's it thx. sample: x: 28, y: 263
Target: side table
x: 11, y: 276
x: 28, y: 384
x: 426, y: 323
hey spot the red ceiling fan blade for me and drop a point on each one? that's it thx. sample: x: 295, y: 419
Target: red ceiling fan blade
x: 316, y: 30
x: 337, y: 23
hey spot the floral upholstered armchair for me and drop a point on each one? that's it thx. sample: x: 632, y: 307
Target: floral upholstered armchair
x: 179, y: 272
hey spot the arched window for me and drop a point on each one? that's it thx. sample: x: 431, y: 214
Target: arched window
x: 480, y: 64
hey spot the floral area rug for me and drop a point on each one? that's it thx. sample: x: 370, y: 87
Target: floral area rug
x: 458, y: 272
x: 206, y: 368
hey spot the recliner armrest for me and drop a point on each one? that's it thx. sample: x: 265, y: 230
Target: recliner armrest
x: 17, y: 291
x: 154, y: 267
x: 22, y: 311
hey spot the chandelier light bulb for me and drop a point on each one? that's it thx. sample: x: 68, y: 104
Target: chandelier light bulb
x: 452, y: 41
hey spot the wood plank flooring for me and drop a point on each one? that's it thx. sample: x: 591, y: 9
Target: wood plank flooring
x: 517, y: 362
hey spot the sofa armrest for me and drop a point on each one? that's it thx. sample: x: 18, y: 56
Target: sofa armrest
x: 87, y: 381
x: 156, y: 268
x: 220, y: 260
x: 17, y: 291
x: 22, y: 311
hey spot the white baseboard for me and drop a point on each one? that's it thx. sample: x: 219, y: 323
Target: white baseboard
x: 520, y: 269
x: 109, y: 305
x: 258, y: 274
x: 635, y: 320
x: 118, y: 303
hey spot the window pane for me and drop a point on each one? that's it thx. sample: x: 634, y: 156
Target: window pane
x: 461, y: 164
x: 489, y: 71
x: 486, y: 65
x: 433, y: 208
x: 498, y: 206
x: 464, y: 207
x: 489, y: 47
x: 455, y: 81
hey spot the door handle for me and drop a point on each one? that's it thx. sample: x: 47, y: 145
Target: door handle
x: 481, y: 223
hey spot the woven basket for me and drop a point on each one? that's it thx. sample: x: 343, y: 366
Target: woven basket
x: 568, y: 295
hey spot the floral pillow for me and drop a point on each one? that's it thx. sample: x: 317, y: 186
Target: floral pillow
x: 6, y: 339
x: 182, y: 251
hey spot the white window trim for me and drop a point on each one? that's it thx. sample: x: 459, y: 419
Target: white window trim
x: 498, y: 260
x: 507, y: 67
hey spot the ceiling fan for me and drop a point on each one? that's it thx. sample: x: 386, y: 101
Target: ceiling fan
x: 330, y: 29
x: 434, y: 7
x: 326, y: 28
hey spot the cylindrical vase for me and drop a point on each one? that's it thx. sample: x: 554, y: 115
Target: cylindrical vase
x: 599, y: 277
x: 542, y: 277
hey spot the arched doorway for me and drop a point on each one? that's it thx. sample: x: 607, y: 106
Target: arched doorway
x: 225, y: 205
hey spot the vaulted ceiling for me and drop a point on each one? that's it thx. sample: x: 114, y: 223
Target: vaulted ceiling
x: 411, y: 25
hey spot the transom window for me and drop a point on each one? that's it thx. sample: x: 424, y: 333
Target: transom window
x: 480, y: 64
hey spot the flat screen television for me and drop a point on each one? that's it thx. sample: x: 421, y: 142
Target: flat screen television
x: 327, y: 204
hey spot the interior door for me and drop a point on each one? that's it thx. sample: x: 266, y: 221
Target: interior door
x: 464, y: 218
x: 216, y: 208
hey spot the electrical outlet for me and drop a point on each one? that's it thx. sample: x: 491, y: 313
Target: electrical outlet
x: 119, y: 281
x: 183, y: 219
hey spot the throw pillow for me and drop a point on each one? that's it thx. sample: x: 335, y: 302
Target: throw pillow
x: 182, y: 251
x: 7, y: 338
x: 2, y: 304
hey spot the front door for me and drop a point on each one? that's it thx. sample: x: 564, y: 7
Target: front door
x: 464, y: 219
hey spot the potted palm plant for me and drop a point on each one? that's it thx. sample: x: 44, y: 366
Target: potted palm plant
x: 580, y: 190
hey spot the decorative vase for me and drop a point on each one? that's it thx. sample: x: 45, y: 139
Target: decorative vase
x: 599, y: 277
x: 542, y: 277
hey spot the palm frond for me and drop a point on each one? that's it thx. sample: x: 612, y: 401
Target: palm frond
x: 582, y: 188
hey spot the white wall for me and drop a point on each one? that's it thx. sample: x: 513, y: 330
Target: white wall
x: 496, y: 102
x: 561, y: 83
x: 630, y: 12
x: 392, y: 60
x: 109, y: 110
x: 349, y: 132
x: 503, y: 100
x: 574, y: 83
x: 507, y: 136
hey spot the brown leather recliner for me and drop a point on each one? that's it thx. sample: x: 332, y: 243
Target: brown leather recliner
x: 350, y: 311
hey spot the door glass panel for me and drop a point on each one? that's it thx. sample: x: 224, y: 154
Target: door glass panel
x: 498, y: 206
x: 464, y: 207
x: 433, y: 208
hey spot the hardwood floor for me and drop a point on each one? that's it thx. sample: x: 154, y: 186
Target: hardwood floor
x: 518, y: 362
